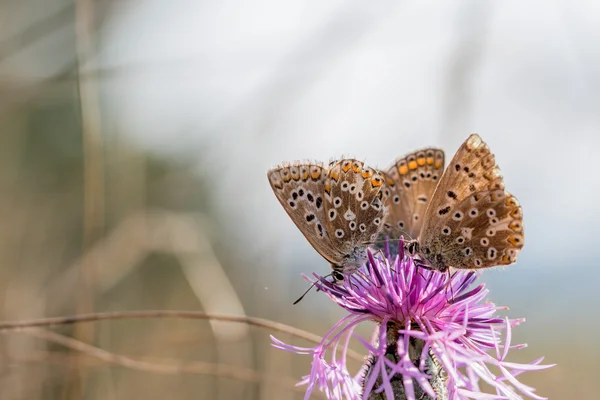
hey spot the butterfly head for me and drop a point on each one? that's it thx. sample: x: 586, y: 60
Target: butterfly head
x: 411, y: 247
x: 337, y: 274
x: 426, y: 258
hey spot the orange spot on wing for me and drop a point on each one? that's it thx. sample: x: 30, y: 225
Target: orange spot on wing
x: 429, y: 160
x: 516, y: 213
x: 412, y: 165
x: 334, y: 175
x: 515, y: 240
x: 305, y: 175
x: 489, y: 176
x: 512, y: 202
x: 356, y: 168
x: 367, y: 173
x: 516, y: 226
x: 495, y: 196
x: 421, y: 161
x: 403, y: 169
x: 438, y: 164
x: 327, y: 188
x: 346, y: 167
x: 376, y: 182
x: 315, y: 174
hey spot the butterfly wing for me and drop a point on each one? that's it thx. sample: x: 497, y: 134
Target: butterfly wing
x: 354, y: 208
x: 414, y: 179
x: 483, y: 230
x: 299, y: 189
x: 472, y: 172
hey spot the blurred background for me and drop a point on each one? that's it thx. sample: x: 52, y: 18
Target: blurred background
x: 135, y: 140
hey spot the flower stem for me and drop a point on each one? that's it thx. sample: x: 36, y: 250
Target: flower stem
x: 432, y: 368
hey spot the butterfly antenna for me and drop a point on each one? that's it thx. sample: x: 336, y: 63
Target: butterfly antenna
x: 305, y: 293
x: 309, y: 289
x: 391, y: 239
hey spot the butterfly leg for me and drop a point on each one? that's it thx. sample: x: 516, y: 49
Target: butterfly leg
x: 451, y: 278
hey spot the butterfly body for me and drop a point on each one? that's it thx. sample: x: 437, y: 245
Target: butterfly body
x: 340, y: 209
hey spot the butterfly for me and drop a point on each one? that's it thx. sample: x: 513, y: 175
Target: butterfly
x: 339, y: 209
x: 464, y: 218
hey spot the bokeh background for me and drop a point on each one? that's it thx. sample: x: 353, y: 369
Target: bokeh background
x: 135, y: 138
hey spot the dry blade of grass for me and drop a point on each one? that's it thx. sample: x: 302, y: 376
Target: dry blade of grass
x: 164, y: 366
x: 6, y: 326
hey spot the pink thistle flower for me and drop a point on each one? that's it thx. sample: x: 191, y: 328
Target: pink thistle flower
x: 436, y: 337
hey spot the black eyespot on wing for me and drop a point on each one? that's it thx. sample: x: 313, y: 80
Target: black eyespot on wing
x: 457, y: 167
x: 294, y: 195
x: 300, y: 192
x: 310, y: 217
x: 310, y: 197
x: 445, y: 210
x: 452, y: 195
x: 319, y: 202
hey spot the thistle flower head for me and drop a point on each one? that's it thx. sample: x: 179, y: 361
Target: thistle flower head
x: 436, y: 335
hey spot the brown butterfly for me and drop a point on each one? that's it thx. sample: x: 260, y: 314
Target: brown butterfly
x: 339, y: 209
x: 469, y: 222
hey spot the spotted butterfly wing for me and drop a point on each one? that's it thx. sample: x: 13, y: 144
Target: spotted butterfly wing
x: 339, y: 210
x: 471, y: 221
x: 299, y: 189
x: 354, y: 209
x: 413, y: 181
